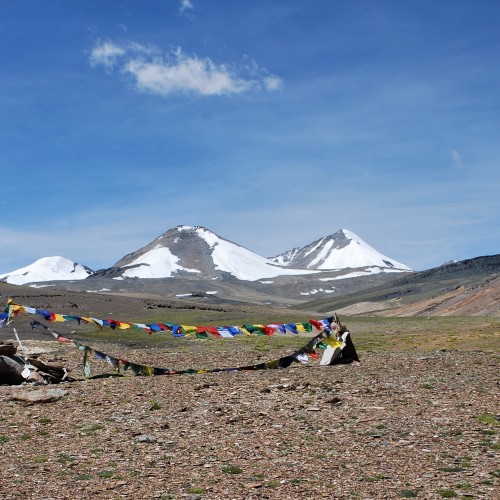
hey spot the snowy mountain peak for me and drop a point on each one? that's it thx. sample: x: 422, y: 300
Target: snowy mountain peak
x: 340, y: 250
x: 47, y: 269
x: 195, y: 249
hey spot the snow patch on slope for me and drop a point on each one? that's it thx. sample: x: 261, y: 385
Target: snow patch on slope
x: 157, y: 263
x: 240, y: 262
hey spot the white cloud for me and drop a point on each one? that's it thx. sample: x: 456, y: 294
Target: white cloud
x: 106, y: 54
x: 177, y: 72
x: 148, y: 50
x: 273, y: 83
x: 185, y: 74
x: 185, y: 5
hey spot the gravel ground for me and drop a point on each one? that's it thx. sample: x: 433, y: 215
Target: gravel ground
x: 396, y: 425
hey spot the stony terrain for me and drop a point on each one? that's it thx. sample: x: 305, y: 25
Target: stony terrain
x: 413, y: 423
x: 417, y: 418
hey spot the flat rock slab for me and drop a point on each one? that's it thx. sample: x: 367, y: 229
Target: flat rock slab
x: 44, y: 395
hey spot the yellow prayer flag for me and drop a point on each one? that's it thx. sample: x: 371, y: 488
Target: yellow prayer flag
x: 333, y: 342
x: 189, y: 330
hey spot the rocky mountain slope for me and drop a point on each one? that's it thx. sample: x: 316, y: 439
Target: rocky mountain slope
x: 194, y: 264
x: 481, y: 299
x: 466, y: 288
x: 194, y: 261
x: 195, y: 250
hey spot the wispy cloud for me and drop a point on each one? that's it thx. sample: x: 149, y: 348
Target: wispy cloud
x: 273, y: 83
x: 185, y: 5
x: 456, y: 158
x: 177, y: 72
x: 185, y: 74
x: 106, y: 54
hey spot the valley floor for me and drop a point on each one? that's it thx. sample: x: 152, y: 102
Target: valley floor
x: 400, y: 424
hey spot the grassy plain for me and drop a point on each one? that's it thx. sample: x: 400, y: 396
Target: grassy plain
x: 374, y: 334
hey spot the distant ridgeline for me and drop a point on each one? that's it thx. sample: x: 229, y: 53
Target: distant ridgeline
x: 334, y: 340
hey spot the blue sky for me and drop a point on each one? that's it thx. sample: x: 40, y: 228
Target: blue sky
x: 270, y: 123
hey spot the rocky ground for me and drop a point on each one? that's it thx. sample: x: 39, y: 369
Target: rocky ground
x: 397, y: 425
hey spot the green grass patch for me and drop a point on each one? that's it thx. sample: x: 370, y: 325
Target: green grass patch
x: 447, y: 493
x: 373, y: 479
x: 488, y: 418
x: 423, y: 334
x: 231, y: 469
x: 274, y: 483
x: 452, y: 469
x: 90, y: 430
x: 105, y: 474
x: 64, y: 458
x: 408, y: 494
x: 196, y: 490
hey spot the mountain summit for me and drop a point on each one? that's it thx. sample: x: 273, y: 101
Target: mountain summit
x: 194, y: 252
x: 195, y: 249
x: 340, y: 250
x: 47, y: 269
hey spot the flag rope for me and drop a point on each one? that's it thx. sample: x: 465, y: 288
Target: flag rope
x: 177, y: 330
x: 334, y: 338
x: 123, y: 365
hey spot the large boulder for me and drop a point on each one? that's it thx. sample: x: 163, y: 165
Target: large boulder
x: 11, y: 369
x: 15, y: 370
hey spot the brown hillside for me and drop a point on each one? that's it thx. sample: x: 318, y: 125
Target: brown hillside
x: 482, y: 299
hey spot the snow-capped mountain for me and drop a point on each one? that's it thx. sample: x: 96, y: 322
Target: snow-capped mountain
x: 47, y: 269
x: 195, y: 250
x: 338, y: 251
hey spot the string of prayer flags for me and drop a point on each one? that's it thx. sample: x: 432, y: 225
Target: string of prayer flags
x: 338, y: 349
x: 175, y: 330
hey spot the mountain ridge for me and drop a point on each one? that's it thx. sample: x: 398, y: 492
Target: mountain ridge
x: 469, y: 287
x: 196, y: 251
